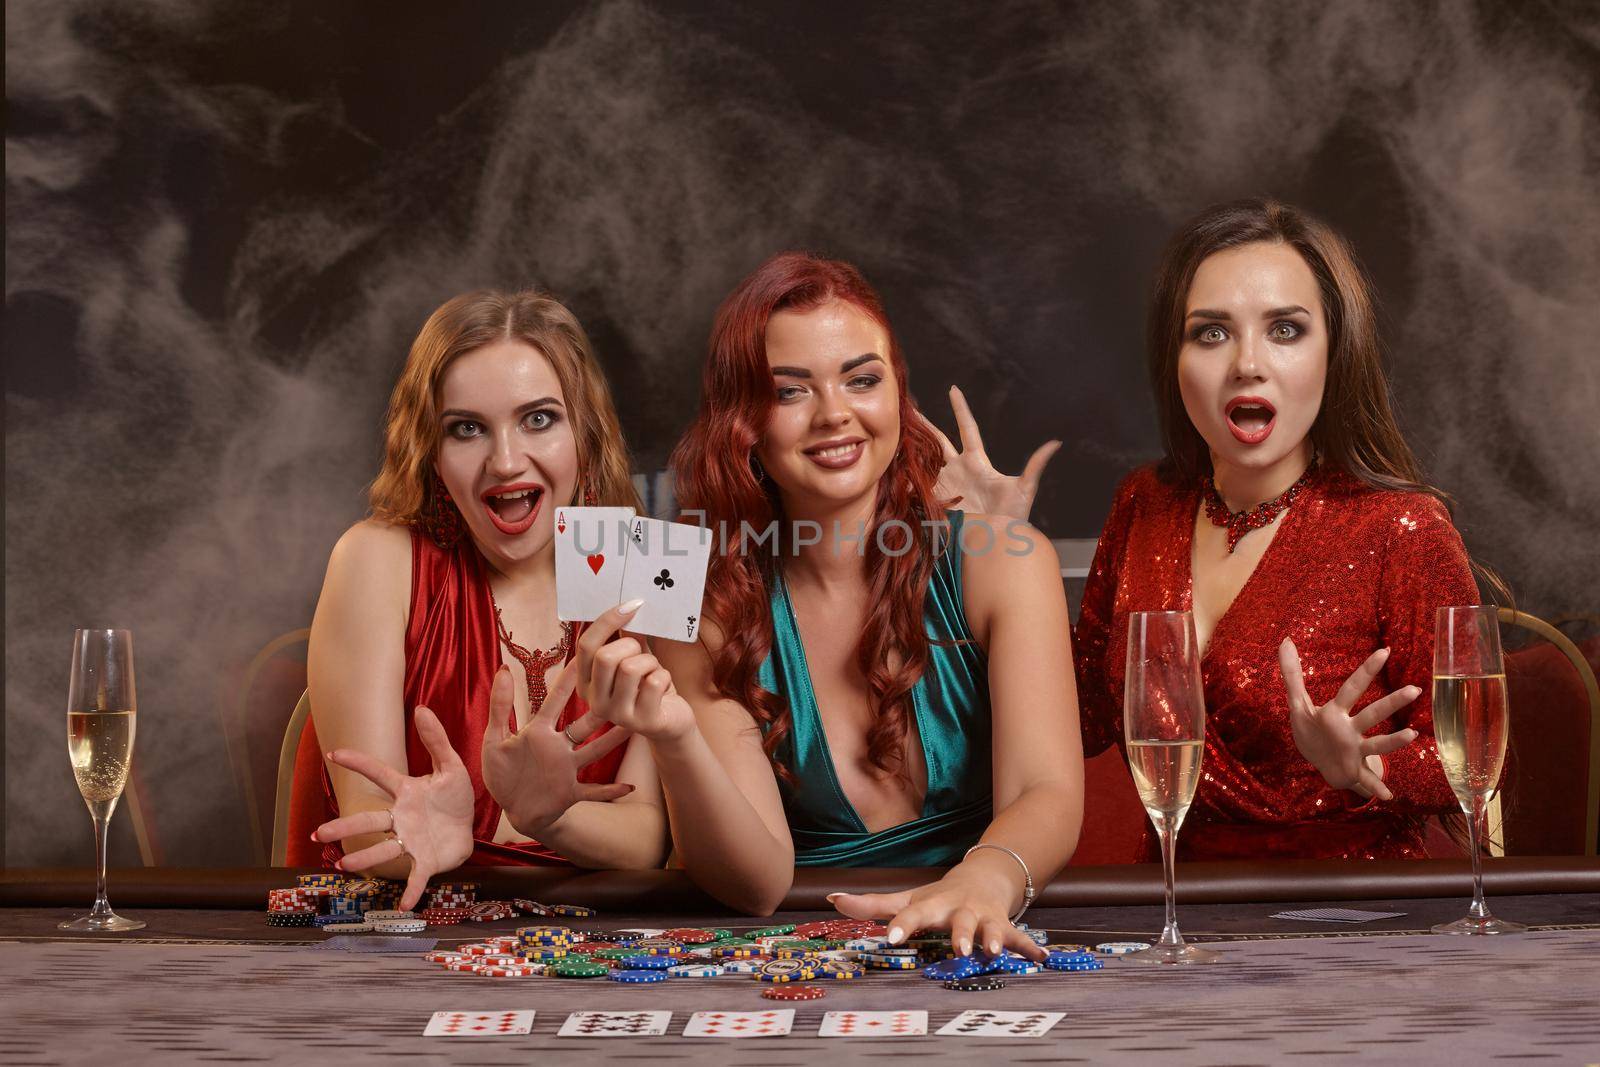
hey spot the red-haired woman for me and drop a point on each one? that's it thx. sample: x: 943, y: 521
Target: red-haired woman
x: 435, y: 652
x: 1291, y: 517
x: 879, y: 682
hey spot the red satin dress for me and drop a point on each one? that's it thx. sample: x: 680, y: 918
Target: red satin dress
x: 452, y: 653
x: 1351, y: 570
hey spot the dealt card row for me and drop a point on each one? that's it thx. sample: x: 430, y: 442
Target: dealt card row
x: 608, y: 556
x: 774, y: 1023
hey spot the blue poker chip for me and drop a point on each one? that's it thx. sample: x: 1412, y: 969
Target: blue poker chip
x: 647, y: 963
x: 638, y: 976
x: 1061, y: 961
x: 1008, y: 964
x: 952, y: 969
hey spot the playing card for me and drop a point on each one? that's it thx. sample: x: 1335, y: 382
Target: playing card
x: 773, y: 1023
x: 1338, y: 915
x: 666, y: 568
x: 873, y: 1024
x: 591, y: 544
x: 615, y: 1024
x: 1001, y: 1024
x: 479, y: 1023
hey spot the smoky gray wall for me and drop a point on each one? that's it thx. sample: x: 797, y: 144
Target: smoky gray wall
x: 225, y: 221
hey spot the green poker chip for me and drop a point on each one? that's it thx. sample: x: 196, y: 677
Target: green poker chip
x: 583, y: 968
x: 771, y: 931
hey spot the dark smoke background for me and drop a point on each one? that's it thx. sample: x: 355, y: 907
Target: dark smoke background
x: 225, y: 221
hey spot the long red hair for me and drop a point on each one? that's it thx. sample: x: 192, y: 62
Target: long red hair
x: 718, y: 483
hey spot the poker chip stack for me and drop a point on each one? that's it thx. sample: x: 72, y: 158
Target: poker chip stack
x: 295, y: 906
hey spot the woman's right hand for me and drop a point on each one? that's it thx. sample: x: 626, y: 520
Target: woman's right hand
x: 533, y: 773
x: 624, y: 683
x: 429, y: 818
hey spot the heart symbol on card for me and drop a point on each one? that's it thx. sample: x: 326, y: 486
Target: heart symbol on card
x: 596, y: 561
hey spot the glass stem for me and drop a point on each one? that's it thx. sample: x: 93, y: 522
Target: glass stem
x: 1167, y: 828
x: 1475, y: 835
x: 101, y: 905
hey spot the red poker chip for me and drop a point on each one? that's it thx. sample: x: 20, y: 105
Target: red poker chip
x: 793, y: 992
x: 510, y: 971
x: 690, y: 936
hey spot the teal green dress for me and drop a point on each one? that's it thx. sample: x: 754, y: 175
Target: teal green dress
x: 951, y: 704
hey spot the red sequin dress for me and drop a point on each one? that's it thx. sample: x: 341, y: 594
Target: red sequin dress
x: 452, y: 653
x: 1351, y: 570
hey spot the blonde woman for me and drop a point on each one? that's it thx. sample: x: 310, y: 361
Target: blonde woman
x: 440, y: 681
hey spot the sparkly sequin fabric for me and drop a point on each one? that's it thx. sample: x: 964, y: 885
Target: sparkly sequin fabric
x: 1350, y: 571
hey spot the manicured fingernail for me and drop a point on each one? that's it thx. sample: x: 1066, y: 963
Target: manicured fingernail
x: 896, y: 935
x: 631, y: 606
x: 314, y: 836
x: 831, y: 897
x: 965, y: 947
x: 338, y: 865
x: 994, y: 948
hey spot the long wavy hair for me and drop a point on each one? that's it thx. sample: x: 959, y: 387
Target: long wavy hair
x: 404, y: 491
x: 1355, y: 430
x: 718, y: 483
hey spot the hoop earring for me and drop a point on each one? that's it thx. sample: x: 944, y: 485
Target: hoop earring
x: 757, y: 469
x: 440, y: 516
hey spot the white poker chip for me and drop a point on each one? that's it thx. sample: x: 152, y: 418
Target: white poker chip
x: 348, y: 928
x: 742, y: 966
x: 399, y: 926
x: 393, y: 914
x: 1120, y: 948
x: 867, y: 944
x: 696, y: 970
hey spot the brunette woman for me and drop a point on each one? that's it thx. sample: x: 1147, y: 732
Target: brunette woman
x: 1290, y: 516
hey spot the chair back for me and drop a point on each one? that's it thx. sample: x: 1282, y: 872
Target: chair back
x: 1550, y: 796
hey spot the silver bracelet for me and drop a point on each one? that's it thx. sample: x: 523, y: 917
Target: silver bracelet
x: 1027, y: 878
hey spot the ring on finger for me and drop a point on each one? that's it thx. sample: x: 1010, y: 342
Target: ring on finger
x: 566, y: 731
x: 402, y: 844
x: 390, y: 812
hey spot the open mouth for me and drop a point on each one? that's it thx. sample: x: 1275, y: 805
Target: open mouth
x: 836, y: 455
x: 512, y: 508
x: 1251, y: 418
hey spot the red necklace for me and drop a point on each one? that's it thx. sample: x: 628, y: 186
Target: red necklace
x: 1239, y: 523
x: 536, y: 662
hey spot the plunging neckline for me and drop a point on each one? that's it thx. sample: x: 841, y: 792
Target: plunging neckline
x: 1187, y: 555
x: 918, y: 712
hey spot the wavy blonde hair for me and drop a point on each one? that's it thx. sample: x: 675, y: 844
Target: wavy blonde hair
x: 403, y: 491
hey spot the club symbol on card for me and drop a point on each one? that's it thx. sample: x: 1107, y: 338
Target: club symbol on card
x: 596, y: 561
x: 638, y: 533
x: 689, y: 625
x: 664, y: 579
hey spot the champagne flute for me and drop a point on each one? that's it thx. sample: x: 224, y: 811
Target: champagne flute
x: 1470, y: 722
x: 1164, y: 726
x: 100, y: 722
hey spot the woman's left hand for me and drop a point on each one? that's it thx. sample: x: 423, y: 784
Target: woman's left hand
x: 1334, y: 741
x: 971, y: 479
x: 970, y: 905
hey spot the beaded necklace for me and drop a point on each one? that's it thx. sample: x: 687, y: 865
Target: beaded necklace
x: 536, y: 662
x: 1239, y: 523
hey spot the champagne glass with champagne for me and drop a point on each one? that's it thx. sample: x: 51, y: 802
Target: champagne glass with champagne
x: 1164, y: 727
x: 100, y: 721
x: 1470, y: 722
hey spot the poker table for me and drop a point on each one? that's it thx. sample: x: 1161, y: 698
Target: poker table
x: 208, y: 981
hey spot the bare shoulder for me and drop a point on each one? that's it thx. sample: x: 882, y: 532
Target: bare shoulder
x: 372, y: 558
x: 1014, y: 572
x: 997, y: 550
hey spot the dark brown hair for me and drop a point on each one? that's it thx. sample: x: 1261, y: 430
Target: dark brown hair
x: 1355, y: 430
